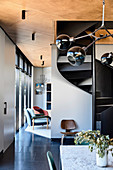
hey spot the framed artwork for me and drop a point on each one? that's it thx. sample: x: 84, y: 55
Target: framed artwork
x: 38, y: 90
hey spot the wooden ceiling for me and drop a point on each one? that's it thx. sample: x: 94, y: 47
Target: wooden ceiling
x: 40, y: 18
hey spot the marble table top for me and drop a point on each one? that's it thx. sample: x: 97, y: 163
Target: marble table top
x: 80, y: 158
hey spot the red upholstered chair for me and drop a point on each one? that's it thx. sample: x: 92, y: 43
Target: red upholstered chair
x: 38, y: 110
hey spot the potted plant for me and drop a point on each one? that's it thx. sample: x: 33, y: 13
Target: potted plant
x: 98, y: 142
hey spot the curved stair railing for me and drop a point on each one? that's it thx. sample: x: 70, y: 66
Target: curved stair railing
x: 81, y: 76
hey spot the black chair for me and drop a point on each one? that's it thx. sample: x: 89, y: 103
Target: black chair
x: 51, y: 162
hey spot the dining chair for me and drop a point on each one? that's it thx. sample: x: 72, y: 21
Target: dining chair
x: 68, y: 125
x: 51, y: 162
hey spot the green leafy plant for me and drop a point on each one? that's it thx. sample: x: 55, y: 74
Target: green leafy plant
x: 95, y: 141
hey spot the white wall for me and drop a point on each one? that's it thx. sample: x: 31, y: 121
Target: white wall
x: 2, y: 49
x: 68, y: 102
x: 7, y: 88
x: 40, y: 100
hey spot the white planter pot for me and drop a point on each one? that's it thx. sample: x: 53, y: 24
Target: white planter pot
x: 102, y: 162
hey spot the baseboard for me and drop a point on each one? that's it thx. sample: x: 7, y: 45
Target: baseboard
x: 56, y: 139
x: 66, y: 140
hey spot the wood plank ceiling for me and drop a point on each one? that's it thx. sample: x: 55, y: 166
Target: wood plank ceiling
x: 41, y: 15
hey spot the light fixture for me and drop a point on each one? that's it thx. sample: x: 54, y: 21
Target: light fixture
x: 76, y: 55
x: 23, y: 14
x: 63, y: 42
x: 42, y: 63
x: 41, y: 57
x: 33, y: 36
x: 42, y: 80
x: 107, y: 58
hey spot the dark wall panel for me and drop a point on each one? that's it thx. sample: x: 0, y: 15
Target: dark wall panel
x: 29, y: 92
x: 107, y: 122
x: 22, y: 99
x: 17, y: 99
x: 104, y: 80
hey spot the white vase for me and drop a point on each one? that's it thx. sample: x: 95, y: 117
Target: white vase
x: 102, y: 162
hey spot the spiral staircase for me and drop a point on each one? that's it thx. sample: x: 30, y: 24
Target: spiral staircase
x: 82, y: 77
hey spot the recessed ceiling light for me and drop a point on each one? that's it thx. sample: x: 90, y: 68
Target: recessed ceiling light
x: 33, y: 36
x: 23, y: 14
x: 41, y: 57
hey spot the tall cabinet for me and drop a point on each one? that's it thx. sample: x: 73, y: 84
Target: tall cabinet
x: 7, y: 88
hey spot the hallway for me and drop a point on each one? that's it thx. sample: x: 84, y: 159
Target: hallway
x: 28, y: 152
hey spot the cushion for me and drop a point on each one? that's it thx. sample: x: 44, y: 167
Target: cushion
x: 36, y: 112
x: 31, y: 112
x: 38, y: 109
x: 40, y: 120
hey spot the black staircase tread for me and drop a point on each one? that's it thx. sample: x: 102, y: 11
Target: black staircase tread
x: 77, y: 75
x: 104, y: 105
x: 63, y: 59
x: 104, y: 101
x: 84, y: 85
x: 69, y: 68
x: 104, y: 97
x: 77, y: 81
x: 101, y: 108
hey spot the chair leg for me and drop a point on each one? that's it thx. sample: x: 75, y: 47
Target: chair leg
x: 33, y: 124
x: 47, y: 123
x: 62, y: 139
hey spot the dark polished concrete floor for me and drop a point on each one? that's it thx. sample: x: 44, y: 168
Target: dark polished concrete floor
x: 28, y: 152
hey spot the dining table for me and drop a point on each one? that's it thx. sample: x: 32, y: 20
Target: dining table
x: 79, y: 157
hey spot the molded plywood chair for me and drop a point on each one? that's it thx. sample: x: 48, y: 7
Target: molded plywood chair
x: 68, y: 125
x: 51, y: 161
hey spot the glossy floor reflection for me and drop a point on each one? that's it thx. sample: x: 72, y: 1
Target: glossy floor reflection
x: 28, y: 152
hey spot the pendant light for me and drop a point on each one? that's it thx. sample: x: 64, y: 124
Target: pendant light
x: 76, y: 55
x: 107, y: 58
x: 42, y: 80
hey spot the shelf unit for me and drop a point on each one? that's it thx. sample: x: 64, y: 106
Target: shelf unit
x: 48, y: 96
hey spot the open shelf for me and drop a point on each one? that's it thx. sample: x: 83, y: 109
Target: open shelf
x: 48, y: 96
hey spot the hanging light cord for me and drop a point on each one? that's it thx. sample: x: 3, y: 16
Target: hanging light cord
x: 103, y: 13
x: 92, y: 34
